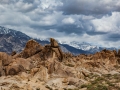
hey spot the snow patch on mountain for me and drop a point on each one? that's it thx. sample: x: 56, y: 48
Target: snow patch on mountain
x: 83, y: 46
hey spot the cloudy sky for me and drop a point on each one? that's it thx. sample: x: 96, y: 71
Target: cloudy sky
x: 92, y: 21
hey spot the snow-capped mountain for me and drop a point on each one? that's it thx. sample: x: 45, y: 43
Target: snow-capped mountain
x: 89, y: 48
x: 84, y: 46
x: 12, y: 40
x: 14, y: 33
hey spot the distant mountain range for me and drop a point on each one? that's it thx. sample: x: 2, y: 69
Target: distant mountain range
x: 88, y: 48
x: 12, y: 40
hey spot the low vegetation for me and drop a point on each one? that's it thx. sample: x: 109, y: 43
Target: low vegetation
x: 104, y: 82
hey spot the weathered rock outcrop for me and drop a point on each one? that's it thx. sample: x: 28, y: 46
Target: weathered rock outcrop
x: 55, y: 69
x: 32, y: 47
x: 56, y: 49
x: 40, y: 73
x: 14, y: 69
x: 33, y: 56
x: 5, y: 58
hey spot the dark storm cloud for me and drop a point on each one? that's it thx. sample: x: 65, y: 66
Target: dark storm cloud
x: 71, y: 28
x: 28, y: 1
x: 89, y: 7
x: 95, y: 33
x: 68, y: 29
x: 113, y: 37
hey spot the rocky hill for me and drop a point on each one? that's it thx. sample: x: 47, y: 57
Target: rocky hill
x: 46, y: 67
x: 11, y: 40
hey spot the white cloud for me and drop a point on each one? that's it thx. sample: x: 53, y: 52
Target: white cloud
x: 21, y: 6
x: 108, y: 23
x: 68, y: 20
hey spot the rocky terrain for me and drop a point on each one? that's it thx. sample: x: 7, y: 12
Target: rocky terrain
x: 39, y: 67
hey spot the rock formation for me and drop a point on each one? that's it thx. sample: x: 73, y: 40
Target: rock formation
x: 47, y: 67
x: 32, y: 47
x: 56, y: 49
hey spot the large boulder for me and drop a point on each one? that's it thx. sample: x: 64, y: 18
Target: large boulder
x: 6, y: 59
x: 26, y: 63
x: 50, y: 51
x: 10, y: 66
x: 32, y: 47
x: 18, y: 65
x: 14, y: 69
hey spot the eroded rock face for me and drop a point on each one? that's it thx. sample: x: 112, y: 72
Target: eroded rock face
x: 25, y: 63
x: 32, y: 47
x: 48, y: 51
x: 6, y: 59
x: 53, y: 43
x: 18, y: 65
x: 56, y: 49
x: 31, y: 57
x: 14, y: 69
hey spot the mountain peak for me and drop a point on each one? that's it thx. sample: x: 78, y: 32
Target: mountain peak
x: 4, y: 30
x: 14, y: 33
